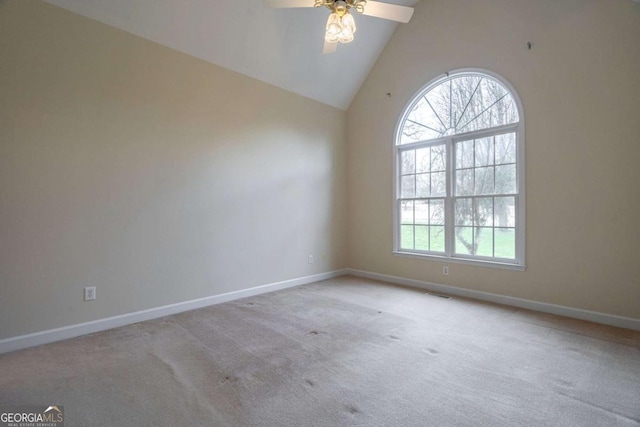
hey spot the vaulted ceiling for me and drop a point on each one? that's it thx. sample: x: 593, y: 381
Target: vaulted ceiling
x: 282, y: 47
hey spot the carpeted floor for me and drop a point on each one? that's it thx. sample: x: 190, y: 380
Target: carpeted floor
x: 344, y: 352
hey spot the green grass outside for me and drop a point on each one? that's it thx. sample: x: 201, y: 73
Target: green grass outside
x: 433, y: 240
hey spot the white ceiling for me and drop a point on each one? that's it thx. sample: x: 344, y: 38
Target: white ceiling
x: 282, y: 47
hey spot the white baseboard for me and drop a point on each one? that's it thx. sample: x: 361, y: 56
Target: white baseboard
x: 72, y: 331
x: 576, y: 313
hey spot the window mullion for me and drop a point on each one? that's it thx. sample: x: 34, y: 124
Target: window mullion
x: 493, y: 225
x: 414, y: 225
x: 518, y: 228
x: 429, y: 225
x: 449, y: 217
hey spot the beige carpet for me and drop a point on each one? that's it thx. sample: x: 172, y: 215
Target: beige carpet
x: 344, y: 352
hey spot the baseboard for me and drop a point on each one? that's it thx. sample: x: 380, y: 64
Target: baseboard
x: 576, y: 313
x: 72, y: 331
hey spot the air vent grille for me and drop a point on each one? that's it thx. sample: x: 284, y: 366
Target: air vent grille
x: 438, y: 295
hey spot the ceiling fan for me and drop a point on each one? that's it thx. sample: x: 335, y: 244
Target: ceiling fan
x: 341, y: 25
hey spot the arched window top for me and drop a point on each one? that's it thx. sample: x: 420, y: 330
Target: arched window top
x: 463, y: 102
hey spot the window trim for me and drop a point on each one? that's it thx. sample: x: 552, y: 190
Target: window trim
x: 520, y: 229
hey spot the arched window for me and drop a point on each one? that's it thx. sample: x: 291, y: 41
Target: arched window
x: 459, y: 175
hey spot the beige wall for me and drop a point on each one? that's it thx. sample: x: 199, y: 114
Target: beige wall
x: 152, y: 175
x: 580, y: 87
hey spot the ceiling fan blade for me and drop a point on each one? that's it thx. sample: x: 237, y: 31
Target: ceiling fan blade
x: 392, y: 12
x: 329, y: 48
x: 288, y: 3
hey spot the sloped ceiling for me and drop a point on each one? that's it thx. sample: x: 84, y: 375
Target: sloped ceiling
x: 282, y: 47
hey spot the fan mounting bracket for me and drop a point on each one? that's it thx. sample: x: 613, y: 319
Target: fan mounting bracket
x: 342, y: 6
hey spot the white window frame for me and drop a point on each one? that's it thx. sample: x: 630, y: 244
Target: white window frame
x: 449, y: 141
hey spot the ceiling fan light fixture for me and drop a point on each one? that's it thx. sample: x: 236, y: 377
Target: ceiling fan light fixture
x: 346, y: 37
x: 349, y: 23
x: 334, y: 28
x: 341, y: 25
x: 348, y: 28
x: 340, y: 28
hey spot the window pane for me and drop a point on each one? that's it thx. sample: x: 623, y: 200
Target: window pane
x: 492, y: 105
x: 484, y: 240
x: 406, y: 212
x: 483, y: 212
x: 414, y: 132
x: 422, y: 185
x: 422, y: 124
x: 484, y: 181
x: 464, y: 154
x: 438, y: 184
x: 408, y: 162
x: 437, y: 238
x: 505, y: 243
x: 422, y: 238
x: 421, y: 212
x: 506, y: 179
x: 438, y: 158
x: 484, y: 152
x: 464, y: 211
x: 423, y: 160
x: 440, y: 99
x: 408, y: 188
x: 464, y: 182
x: 464, y: 241
x: 505, y: 212
x: 506, y: 148
x: 436, y: 213
x: 406, y: 238
x: 463, y: 90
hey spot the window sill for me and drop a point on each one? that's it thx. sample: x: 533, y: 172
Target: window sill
x: 479, y: 263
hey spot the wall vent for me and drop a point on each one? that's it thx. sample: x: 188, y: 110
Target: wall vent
x: 438, y: 295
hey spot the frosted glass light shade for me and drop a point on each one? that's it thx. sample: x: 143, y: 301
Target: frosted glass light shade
x: 334, y: 28
x: 346, y: 36
x: 340, y: 28
x: 349, y: 22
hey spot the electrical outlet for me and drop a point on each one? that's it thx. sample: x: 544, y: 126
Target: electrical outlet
x: 445, y: 270
x: 310, y: 259
x: 90, y: 293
